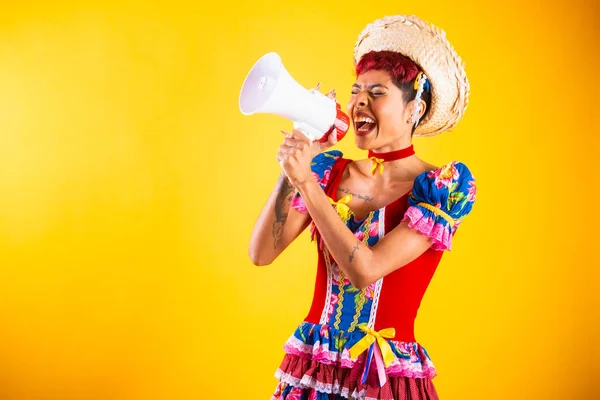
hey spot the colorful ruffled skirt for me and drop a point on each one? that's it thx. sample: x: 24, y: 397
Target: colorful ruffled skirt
x: 317, y: 366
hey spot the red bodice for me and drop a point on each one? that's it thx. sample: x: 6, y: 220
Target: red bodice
x: 401, y: 291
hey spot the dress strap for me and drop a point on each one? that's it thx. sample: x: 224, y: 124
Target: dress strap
x: 330, y: 190
x: 336, y: 175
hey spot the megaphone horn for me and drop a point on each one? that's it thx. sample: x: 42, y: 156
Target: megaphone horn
x: 269, y: 88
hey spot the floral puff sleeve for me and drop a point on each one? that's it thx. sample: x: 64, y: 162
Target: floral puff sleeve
x: 321, y: 167
x: 439, y: 201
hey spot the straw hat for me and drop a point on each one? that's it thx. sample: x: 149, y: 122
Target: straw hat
x: 428, y: 47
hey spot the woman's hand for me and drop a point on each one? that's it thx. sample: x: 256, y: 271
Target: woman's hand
x: 297, y: 152
x: 294, y: 156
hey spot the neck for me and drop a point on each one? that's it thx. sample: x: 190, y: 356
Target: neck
x: 400, y: 144
x: 393, y: 155
x: 400, y: 158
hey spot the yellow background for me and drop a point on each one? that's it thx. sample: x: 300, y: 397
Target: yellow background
x: 130, y: 182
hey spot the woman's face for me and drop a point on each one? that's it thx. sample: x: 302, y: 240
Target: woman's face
x: 378, y: 111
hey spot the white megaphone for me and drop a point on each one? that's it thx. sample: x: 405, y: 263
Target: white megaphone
x: 269, y: 88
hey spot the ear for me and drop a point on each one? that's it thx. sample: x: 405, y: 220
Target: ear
x: 422, y: 107
x: 410, y: 108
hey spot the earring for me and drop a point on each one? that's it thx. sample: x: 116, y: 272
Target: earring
x: 419, y: 86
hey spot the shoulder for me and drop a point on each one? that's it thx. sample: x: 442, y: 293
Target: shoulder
x: 327, y: 157
x: 324, y: 162
x: 451, y: 176
x: 321, y: 167
x: 450, y: 187
x: 440, y: 200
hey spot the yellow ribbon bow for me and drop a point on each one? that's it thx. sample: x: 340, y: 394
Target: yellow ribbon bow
x: 341, y: 206
x: 371, y: 336
x: 439, y: 212
x: 377, y: 162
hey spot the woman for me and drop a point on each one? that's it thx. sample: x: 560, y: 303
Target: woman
x: 381, y: 223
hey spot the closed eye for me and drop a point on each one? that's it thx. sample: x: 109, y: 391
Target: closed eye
x: 372, y: 94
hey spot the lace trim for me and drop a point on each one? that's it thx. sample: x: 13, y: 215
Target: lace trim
x: 440, y: 233
x: 379, y: 282
x: 419, y: 366
x: 362, y: 298
x: 324, y: 314
x: 308, y: 382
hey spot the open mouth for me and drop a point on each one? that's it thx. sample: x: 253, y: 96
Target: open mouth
x: 364, y: 125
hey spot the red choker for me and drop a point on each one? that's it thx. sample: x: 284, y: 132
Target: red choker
x: 379, y: 158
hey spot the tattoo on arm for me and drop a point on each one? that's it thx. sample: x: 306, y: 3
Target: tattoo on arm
x: 282, y: 203
x: 366, y: 198
x: 354, y: 250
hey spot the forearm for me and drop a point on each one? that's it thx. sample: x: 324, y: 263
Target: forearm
x: 351, y: 255
x: 266, y: 239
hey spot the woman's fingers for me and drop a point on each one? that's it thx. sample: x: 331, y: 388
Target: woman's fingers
x: 298, y: 135
x: 332, y: 139
x: 295, y: 138
x: 289, y: 147
x: 293, y: 143
x: 285, y: 151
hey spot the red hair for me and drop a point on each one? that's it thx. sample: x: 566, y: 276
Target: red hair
x: 402, y: 69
